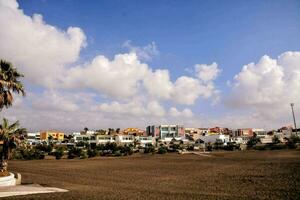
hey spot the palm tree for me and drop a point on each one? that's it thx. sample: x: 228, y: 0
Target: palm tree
x: 9, y: 82
x: 10, y: 135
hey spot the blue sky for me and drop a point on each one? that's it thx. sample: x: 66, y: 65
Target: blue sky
x: 186, y: 33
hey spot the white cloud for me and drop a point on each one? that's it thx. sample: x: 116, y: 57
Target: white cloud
x: 187, y: 90
x: 134, y: 108
x: 48, y: 57
x: 158, y: 84
x: 267, y: 88
x: 119, y: 77
x: 207, y: 73
x: 144, y: 53
x: 185, y: 113
x: 40, y: 50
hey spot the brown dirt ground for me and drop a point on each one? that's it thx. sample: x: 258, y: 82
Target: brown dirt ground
x: 224, y: 175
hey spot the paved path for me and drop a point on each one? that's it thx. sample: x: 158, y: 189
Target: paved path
x: 27, y: 189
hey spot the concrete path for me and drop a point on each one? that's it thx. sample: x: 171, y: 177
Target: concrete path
x: 27, y: 189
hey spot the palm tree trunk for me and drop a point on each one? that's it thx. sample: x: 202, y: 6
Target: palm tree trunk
x: 4, y: 157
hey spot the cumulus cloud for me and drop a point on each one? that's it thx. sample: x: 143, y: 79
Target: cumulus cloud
x: 207, y: 73
x: 174, y: 112
x: 268, y: 87
x: 158, y: 84
x: 48, y: 57
x: 40, y: 50
x: 135, y: 108
x: 119, y: 77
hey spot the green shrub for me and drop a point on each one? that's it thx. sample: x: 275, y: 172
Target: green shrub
x: 59, y: 153
x: 74, y: 152
x: 44, y: 147
x: 117, y: 153
x: 231, y: 146
x: 253, y: 141
x: 125, y: 150
x: 28, y: 154
x: 149, y: 149
x: 209, y: 147
x: 162, y: 150
x: 83, y: 155
x: 92, y: 152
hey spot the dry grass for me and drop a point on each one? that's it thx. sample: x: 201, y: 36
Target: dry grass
x: 225, y: 175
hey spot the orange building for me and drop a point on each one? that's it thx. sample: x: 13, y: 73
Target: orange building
x: 133, y: 131
x: 56, y: 135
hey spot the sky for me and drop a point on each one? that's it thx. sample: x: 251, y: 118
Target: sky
x: 101, y: 64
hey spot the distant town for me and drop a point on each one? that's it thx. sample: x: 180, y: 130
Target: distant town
x: 162, y: 135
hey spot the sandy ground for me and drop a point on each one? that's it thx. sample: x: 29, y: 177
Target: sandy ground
x: 224, y: 175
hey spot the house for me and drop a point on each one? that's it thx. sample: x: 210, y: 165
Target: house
x: 244, y: 132
x: 133, y: 131
x: 215, y: 138
x: 85, y: 138
x: 103, y: 139
x: 56, y: 135
x: 166, y: 132
x: 143, y: 141
x: 261, y: 133
x: 195, y: 133
x: 124, y: 139
x: 33, y: 138
x: 218, y: 130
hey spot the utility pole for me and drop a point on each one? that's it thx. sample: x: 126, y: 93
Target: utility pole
x: 292, y: 106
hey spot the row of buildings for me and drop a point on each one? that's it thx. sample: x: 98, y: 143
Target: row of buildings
x: 161, y: 133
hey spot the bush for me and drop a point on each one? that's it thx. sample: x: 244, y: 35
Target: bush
x: 17, y: 155
x: 28, y: 154
x: 253, y: 141
x: 125, y: 150
x: 111, y: 146
x: 117, y: 153
x: 44, y: 147
x: 292, y: 141
x: 209, y: 147
x: 92, y: 152
x: 162, y: 150
x: 83, y: 155
x: 74, y: 152
x: 231, y: 146
x: 58, y: 153
x: 190, y: 148
x: 149, y: 149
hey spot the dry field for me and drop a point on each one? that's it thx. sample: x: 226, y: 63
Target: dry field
x: 224, y: 175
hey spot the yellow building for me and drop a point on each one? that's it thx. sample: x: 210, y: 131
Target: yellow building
x: 133, y: 131
x: 56, y: 135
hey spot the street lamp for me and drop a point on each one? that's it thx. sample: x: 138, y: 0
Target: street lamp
x: 292, y: 106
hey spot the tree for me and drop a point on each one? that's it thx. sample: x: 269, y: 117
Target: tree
x: 253, y: 140
x: 10, y: 135
x: 9, y: 83
x: 275, y: 139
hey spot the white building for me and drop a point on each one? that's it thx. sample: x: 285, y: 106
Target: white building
x: 215, y: 138
x: 33, y: 138
x: 103, y: 139
x: 145, y: 140
x: 261, y: 133
x: 124, y: 139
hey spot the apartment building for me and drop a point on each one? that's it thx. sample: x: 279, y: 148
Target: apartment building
x: 56, y: 135
x: 166, y: 132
